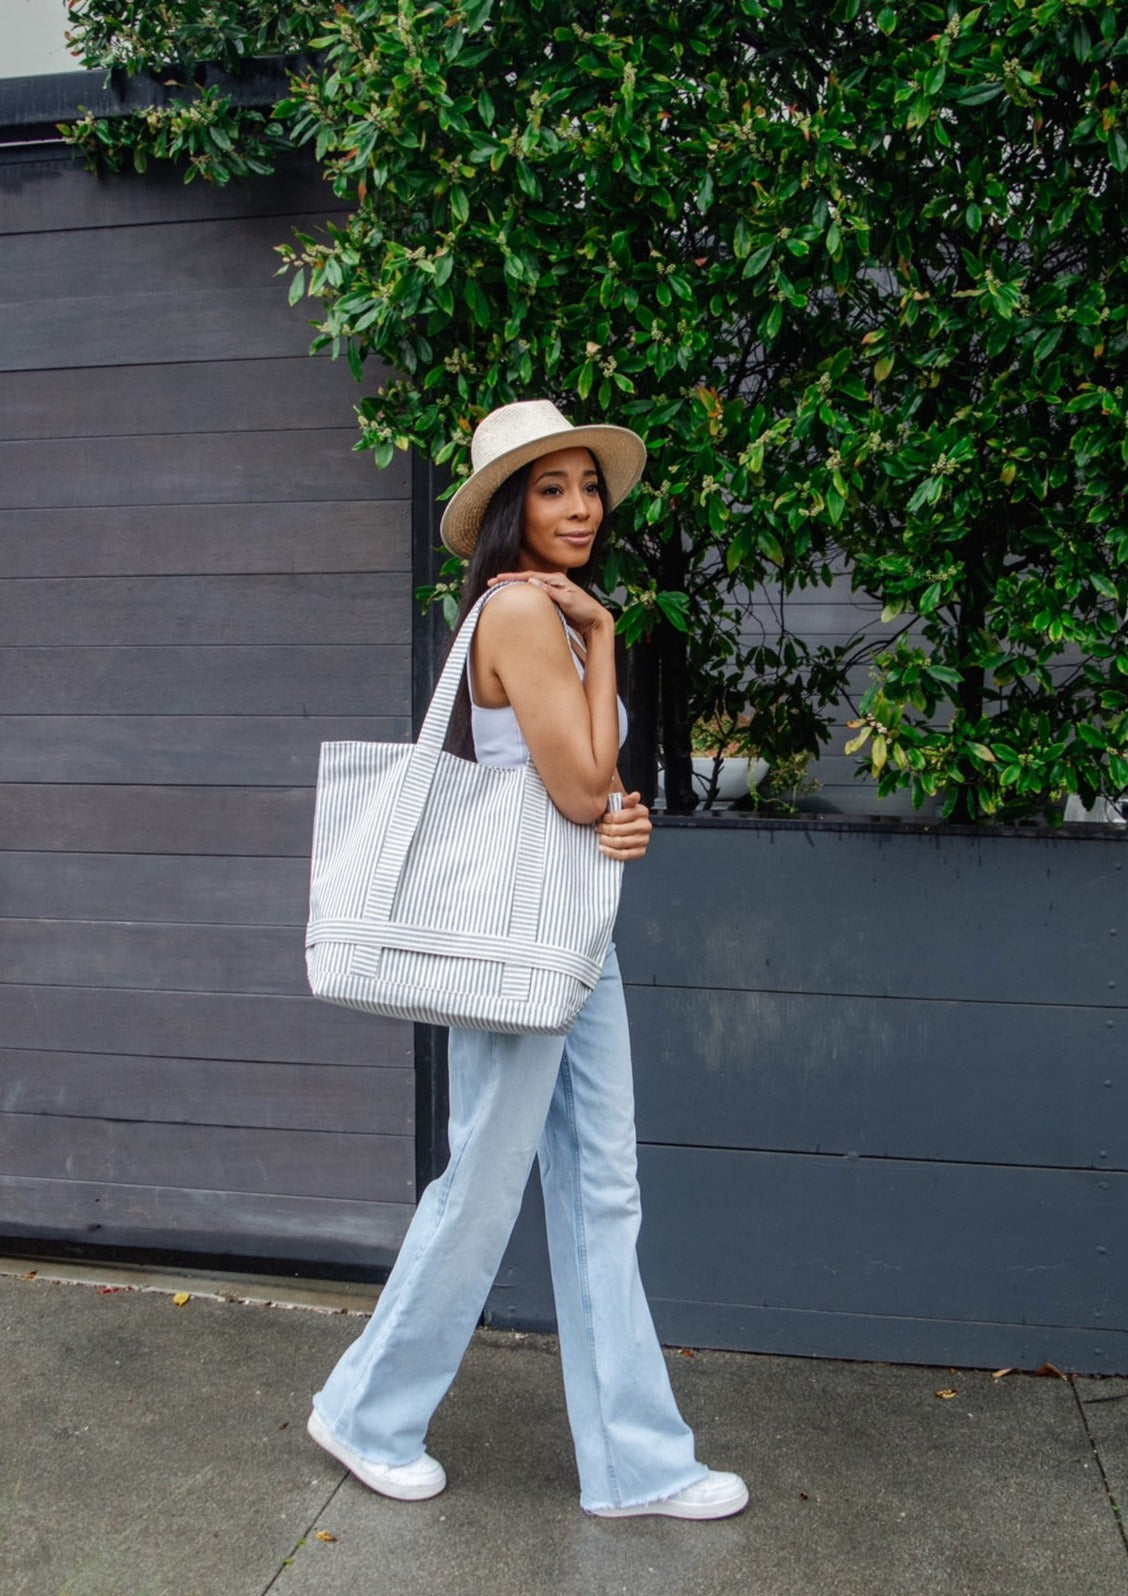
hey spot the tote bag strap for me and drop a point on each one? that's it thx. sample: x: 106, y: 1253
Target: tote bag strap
x: 436, y: 722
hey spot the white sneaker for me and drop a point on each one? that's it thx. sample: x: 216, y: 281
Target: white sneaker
x: 406, y: 1482
x: 716, y: 1496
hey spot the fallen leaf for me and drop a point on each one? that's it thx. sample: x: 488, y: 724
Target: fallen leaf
x: 1049, y: 1371
x: 324, y: 1535
x: 31, y: 1274
x: 181, y: 1298
x: 688, y: 1352
x: 107, y: 1291
x: 946, y: 1394
x: 1001, y: 1374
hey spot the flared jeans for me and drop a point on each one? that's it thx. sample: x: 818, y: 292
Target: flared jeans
x: 569, y: 1101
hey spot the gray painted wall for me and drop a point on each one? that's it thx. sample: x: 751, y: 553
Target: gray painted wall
x: 199, y: 581
x: 882, y: 1094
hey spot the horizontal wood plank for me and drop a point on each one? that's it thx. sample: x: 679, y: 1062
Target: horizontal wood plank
x: 210, y: 1158
x: 1033, y: 914
x: 277, y: 610
x: 196, y: 751
x: 193, y: 1091
x: 891, y: 1338
x: 54, y: 193
x: 196, y: 468
x: 289, y: 395
x: 881, y: 1077
x: 265, y: 822
x: 209, y: 539
x: 203, y: 680
x: 892, y: 1260
x: 183, y: 255
x: 221, y: 1025
x: 159, y: 958
x: 107, y: 330
x: 800, y: 1232
x: 222, y: 1223
x: 180, y: 890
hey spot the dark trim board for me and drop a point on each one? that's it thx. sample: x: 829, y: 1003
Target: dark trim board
x: 54, y: 96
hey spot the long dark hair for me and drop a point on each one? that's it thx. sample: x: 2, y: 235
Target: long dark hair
x: 498, y: 549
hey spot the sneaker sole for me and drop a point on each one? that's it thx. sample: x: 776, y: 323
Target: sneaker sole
x: 724, y: 1507
x: 398, y: 1491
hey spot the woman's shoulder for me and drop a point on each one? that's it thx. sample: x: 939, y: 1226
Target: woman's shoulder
x: 520, y: 606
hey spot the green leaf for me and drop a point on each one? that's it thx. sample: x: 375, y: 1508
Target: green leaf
x: 1048, y: 343
x: 770, y: 546
x: 675, y: 607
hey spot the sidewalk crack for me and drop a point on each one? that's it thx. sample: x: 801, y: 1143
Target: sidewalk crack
x: 304, y: 1536
x: 1118, y: 1517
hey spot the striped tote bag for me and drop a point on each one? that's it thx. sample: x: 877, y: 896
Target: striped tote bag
x: 450, y: 892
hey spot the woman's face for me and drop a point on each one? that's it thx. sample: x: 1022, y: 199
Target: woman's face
x: 562, y: 511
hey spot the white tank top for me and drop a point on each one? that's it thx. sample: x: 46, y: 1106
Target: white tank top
x: 497, y: 736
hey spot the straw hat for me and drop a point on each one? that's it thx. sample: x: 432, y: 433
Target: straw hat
x: 509, y: 438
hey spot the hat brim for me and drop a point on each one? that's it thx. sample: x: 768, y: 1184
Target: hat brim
x: 621, y: 455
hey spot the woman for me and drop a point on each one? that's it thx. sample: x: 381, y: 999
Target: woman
x: 531, y: 519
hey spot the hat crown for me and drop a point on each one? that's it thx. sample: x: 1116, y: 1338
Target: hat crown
x: 513, y: 426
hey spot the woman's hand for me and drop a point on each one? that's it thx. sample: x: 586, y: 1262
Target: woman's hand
x: 625, y: 833
x: 578, y: 607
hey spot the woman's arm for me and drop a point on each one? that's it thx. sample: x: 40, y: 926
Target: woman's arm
x: 522, y: 657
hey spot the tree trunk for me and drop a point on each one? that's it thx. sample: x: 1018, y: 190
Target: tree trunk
x: 673, y: 664
x: 638, y: 678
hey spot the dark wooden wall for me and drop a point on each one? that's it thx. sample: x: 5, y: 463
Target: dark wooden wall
x: 834, y: 616
x: 199, y: 582
x: 882, y: 1094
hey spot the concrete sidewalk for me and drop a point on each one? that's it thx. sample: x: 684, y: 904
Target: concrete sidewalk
x: 154, y: 1450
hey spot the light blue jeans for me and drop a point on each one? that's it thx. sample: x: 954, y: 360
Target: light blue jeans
x: 570, y: 1101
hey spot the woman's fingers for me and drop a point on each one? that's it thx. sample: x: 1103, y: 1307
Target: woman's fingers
x: 625, y: 833
x: 576, y: 604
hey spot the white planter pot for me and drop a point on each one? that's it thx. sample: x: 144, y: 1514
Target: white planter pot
x: 737, y: 777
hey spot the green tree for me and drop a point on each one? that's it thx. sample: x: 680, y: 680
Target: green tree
x: 857, y: 272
